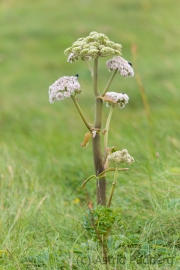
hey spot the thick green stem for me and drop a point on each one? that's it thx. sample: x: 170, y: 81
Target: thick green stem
x: 113, y: 186
x: 95, y: 77
x: 106, y: 132
x: 96, y: 142
x: 109, y: 82
x: 80, y: 112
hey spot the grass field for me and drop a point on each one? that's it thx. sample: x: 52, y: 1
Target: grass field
x: 42, y: 164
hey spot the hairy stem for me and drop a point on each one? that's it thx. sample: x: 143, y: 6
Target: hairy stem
x: 96, y: 142
x: 113, y: 186
x: 80, y: 112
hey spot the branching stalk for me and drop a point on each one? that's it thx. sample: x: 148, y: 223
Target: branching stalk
x: 106, y: 132
x: 113, y: 186
x: 111, y: 170
x: 87, y: 180
x: 81, y: 112
x: 109, y: 83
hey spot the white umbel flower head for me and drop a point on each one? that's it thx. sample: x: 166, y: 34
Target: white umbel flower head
x: 124, y: 67
x: 63, y: 88
x: 112, y: 98
x: 118, y: 157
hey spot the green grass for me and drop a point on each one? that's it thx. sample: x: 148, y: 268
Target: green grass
x: 42, y: 164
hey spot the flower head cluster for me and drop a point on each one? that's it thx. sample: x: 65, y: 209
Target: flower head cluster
x: 112, y: 98
x: 118, y: 157
x: 63, y: 88
x: 93, y: 46
x: 124, y: 67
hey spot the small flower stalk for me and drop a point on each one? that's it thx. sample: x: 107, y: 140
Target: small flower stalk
x: 117, y: 158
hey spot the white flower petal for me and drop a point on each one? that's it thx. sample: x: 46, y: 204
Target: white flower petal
x: 123, y: 66
x: 64, y: 87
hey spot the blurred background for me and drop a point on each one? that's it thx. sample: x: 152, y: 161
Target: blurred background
x: 42, y: 164
x: 42, y: 140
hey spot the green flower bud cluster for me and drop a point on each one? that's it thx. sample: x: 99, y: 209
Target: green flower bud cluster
x: 93, y: 46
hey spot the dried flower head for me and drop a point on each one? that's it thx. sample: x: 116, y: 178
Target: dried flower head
x: 63, y: 88
x: 123, y: 66
x: 118, y: 157
x: 112, y: 98
x: 93, y: 46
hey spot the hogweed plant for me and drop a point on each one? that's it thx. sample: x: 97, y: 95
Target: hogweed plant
x: 99, y: 220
